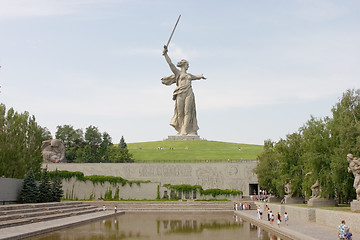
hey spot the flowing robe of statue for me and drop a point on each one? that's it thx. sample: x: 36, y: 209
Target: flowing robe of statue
x: 354, y: 167
x: 184, y: 119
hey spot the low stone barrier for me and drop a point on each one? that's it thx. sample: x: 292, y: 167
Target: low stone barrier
x: 10, y: 189
x: 325, y: 217
x: 333, y: 219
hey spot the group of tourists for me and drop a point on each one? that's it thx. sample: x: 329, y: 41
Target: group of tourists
x: 271, y: 216
x: 262, y: 196
x: 344, y: 231
x: 241, y: 206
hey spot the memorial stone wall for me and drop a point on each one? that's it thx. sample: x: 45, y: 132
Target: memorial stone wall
x: 226, y: 175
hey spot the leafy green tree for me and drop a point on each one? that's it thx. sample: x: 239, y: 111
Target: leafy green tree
x: 267, y: 167
x: 45, y: 192
x: 290, y: 170
x: 20, y: 143
x: 56, y: 188
x: 93, y: 139
x: 73, y: 140
x: 317, y: 152
x: 29, y: 192
x: 345, y: 134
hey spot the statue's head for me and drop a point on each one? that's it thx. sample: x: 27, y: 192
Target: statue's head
x: 183, y: 63
x: 349, y: 157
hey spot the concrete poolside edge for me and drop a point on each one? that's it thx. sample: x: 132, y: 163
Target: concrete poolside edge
x: 281, y: 232
x: 38, y: 228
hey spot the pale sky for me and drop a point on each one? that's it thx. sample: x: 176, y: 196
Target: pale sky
x: 270, y: 64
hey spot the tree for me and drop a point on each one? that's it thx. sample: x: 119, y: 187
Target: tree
x: 104, y: 147
x: 289, y: 152
x: 73, y: 140
x: 266, y: 168
x: 345, y: 135
x: 93, y: 139
x: 317, y: 151
x: 20, y: 143
x: 29, y: 192
x: 122, y: 143
x: 120, y: 155
x: 45, y: 192
x: 56, y: 188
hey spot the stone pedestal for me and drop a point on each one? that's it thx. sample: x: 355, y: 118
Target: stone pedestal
x: 294, y: 199
x: 321, y: 202
x: 355, y: 205
x: 183, y: 138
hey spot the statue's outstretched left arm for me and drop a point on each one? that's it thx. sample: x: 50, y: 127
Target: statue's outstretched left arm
x: 197, y: 77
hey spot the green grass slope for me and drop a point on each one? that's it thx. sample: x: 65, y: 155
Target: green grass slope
x: 193, y: 151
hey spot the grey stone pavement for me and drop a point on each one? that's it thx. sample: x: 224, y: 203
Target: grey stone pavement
x: 33, y: 229
x: 298, y: 230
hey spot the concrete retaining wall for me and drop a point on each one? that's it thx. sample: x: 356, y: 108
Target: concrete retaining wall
x: 333, y: 219
x: 80, y: 190
x: 232, y: 175
x: 10, y: 189
x: 76, y: 190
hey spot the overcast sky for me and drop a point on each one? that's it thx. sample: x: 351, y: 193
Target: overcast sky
x: 270, y: 64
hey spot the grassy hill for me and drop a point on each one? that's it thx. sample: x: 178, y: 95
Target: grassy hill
x: 192, y: 151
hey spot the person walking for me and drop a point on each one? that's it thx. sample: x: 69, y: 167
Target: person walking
x: 278, y: 219
x: 342, y: 230
x: 286, y: 218
x: 271, y: 218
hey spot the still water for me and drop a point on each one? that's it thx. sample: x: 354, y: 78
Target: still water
x: 169, y: 226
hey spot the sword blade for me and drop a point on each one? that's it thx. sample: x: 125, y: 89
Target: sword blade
x: 172, y: 33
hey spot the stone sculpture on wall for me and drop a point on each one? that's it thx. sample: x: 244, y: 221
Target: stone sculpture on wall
x: 315, y: 190
x: 354, y: 167
x: 287, y: 189
x: 53, y: 150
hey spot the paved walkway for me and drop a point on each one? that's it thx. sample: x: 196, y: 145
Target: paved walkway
x: 297, y: 230
x: 33, y: 229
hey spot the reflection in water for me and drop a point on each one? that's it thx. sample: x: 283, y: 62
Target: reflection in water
x: 169, y: 226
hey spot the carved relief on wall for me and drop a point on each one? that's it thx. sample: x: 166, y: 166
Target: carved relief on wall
x: 209, y: 177
x: 165, y: 171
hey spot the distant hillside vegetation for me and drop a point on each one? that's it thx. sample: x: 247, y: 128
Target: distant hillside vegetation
x: 193, y: 151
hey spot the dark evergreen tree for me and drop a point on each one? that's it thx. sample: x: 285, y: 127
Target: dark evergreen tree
x: 104, y: 147
x: 120, y: 155
x: 56, y: 188
x: 122, y: 143
x: 45, y: 193
x: 29, y: 192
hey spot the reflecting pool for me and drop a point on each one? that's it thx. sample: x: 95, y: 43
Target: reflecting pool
x: 170, y: 226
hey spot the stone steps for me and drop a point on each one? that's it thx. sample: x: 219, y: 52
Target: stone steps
x: 20, y: 214
x: 34, y: 205
x: 15, y: 211
x: 42, y: 212
x: 166, y: 206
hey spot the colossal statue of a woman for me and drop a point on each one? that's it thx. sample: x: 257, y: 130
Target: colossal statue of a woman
x: 184, y: 119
